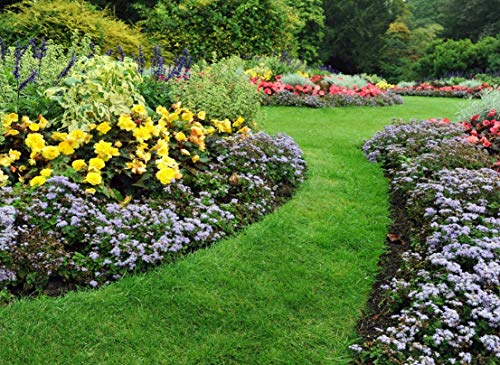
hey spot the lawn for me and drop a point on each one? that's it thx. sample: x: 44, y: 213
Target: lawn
x: 287, y: 290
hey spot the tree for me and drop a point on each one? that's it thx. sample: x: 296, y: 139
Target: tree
x: 470, y: 18
x: 310, y: 27
x: 355, y: 32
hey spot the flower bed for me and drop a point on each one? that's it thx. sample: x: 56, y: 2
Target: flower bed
x: 108, y: 182
x: 453, y: 91
x: 60, y: 235
x: 443, y: 304
x: 318, y: 94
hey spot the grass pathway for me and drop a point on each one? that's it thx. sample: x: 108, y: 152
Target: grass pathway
x: 287, y: 290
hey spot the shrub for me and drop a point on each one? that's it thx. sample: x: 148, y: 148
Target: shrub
x: 222, y: 90
x: 277, y: 65
x: 347, y: 81
x: 58, y: 19
x: 296, y: 79
x: 96, y: 90
x: 222, y: 27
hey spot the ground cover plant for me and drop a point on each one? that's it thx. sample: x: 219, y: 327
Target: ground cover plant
x: 465, y: 89
x: 287, y: 289
x: 442, y: 305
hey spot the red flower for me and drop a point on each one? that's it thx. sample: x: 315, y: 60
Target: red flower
x: 475, y: 117
x: 492, y: 113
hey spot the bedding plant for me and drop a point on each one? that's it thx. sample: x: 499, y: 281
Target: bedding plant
x: 442, y: 304
x: 111, y: 185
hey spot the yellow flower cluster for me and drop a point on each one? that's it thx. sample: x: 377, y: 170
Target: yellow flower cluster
x: 384, y: 85
x: 260, y: 72
x: 134, y: 144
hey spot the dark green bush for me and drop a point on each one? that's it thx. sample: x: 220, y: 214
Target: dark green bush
x: 463, y: 56
x: 222, y: 27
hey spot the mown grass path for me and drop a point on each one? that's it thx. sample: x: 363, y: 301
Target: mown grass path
x: 287, y: 290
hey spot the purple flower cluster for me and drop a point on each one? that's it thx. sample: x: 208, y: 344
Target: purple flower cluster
x: 60, y: 233
x: 446, y: 295
x: 288, y: 98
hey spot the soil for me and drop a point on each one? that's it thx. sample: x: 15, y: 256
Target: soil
x: 378, y: 311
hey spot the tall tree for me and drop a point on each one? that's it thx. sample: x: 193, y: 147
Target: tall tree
x: 355, y: 30
x: 470, y: 18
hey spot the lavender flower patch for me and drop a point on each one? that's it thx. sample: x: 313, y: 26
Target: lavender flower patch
x: 59, y: 233
x: 445, y: 297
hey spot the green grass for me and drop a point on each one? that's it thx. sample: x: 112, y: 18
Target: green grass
x: 287, y: 290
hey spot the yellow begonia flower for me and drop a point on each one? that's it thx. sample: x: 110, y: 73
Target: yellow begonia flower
x: 177, y: 105
x: 42, y: 121
x: 201, y: 115
x: 9, y: 119
x: 162, y: 110
x: 3, y: 178
x: 238, y: 122
x: 162, y: 148
x: 125, y: 122
x: 166, y: 175
x: 34, y: 127
x: 210, y: 130
x: 140, y: 111
x: 14, y: 154
x: 187, y: 116
x: 180, y: 137
x: 32, y: 162
x: 195, y: 158
x: 143, y: 133
x: 185, y: 152
x: 93, y: 178
x: 5, y: 160
x: 50, y: 152
x: 66, y: 148
x: 78, y: 164
x: 173, y: 117
x: 105, y: 150
x: 23, y: 168
x: 46, y: 172
x: 92, y: 126
x: 37, y: 181
x: 136, y: 166
x: 96, y: 164
x: 103, y: 128
x: 78, y: 137
x: 58, y: 136
x: 244, y: 130
x: 35, y: 142
x: 223, y: 126
x: 90, y: 191
x: 117, y: 144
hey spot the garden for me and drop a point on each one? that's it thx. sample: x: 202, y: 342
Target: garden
x: 239, y: 192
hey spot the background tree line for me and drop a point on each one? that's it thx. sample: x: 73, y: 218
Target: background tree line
x: 412, y: 39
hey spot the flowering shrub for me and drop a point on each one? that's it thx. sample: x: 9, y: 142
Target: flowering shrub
x: 444, y: 301
x: 58, y: 235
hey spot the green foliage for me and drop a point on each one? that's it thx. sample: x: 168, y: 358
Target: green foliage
x: 463, y: 55
x: 223, y: 27
x: 310, y: 27
x: 156, y: 92
x: 58, y: 19
x: 347, y: 81
x: 296, y: 79
x: 96, y: 90
x: 221, y: 90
